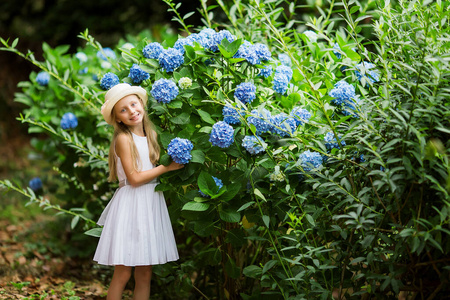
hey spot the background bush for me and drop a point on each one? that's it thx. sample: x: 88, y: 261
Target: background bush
x: 369, y: 217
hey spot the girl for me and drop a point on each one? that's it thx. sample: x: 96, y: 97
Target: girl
x: 136, y: 225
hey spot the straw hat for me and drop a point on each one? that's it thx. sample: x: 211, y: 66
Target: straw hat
x: 116, y: 93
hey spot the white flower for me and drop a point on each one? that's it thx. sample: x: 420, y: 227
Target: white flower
x: 312, y: 36
x: 106, y: 64
x: 185, y: 83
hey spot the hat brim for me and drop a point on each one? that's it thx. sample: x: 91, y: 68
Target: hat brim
x: 116, y: 93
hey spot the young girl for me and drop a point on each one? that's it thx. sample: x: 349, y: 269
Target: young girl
x: 136, y: 227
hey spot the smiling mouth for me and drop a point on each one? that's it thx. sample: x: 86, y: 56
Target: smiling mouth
x: 134, y: 118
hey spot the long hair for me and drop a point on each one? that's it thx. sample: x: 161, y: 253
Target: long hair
x: 120, y: 128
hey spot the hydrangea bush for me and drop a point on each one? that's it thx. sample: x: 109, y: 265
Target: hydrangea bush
x: 320, y: 174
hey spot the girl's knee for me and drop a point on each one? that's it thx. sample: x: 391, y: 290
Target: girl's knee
x: 143, y: 273
x: 122, y: 273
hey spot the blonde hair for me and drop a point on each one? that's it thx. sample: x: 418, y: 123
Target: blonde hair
x: 120, y: 128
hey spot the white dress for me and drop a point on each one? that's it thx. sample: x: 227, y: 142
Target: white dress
x: 136, y: 224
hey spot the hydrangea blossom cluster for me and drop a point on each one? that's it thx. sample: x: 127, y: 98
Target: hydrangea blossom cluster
x: 137, y: 74
x: 345, y: 97
x: 280, y: 83
x: 199, y: 38
x: 336, y: 51
x: 248, y: 52
x: 266, y: 71
x: 311, y: 35
x: 219, y: 185
x: 331, y: 142
x: 245, y: 92
x: 282, y: 125
x: 310, y: 159
x: 216, y: 38
x: 365, y: 67
x: 107, y: 53
x: 284, y: 70
x: 284, y: 59
x: 164, y: 90
x: 82, y: 57
x: 263, y: 52
x: 180, y: 150
x: 69, y: 121
x: 277, y: 175
x: 185, y: 83
x: 260, y: 119
x: 342, y: 93
x: 35, y: 184
x: 42, y: 78
x: 231, y: 114
x: 254, y: 144
x: 109, y: 80
x: 179, y: 44
x: 221, y: 135
x: 170, y: 59
x: 152, y: 50
x: 300, y: 115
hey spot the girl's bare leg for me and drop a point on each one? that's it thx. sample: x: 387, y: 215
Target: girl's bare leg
x: 142, y: 278
x: 120, y: 278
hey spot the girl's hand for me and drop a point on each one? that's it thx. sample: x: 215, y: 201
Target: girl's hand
x: 174, y: 166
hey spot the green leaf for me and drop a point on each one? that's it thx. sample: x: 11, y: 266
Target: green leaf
x: 96, y: 232
x: 196, y: 206
x: 181, y: 119
x: 259, y: 194
x: 231, y: 192
x: 74, y: 221
x: 354, y: 9
x: 198, y: 156
x: 230, y: 216
x: 269, y: 265
x: 206, y: 116
x: 266, y: 220
x: 206, y: 184
x: 232, y: 270
x: 235, y: 237
x: 252, y: 271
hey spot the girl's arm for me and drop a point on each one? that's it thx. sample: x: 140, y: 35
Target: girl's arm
x: 136, y: 178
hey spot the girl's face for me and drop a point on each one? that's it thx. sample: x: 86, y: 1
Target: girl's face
x: 129, y: 110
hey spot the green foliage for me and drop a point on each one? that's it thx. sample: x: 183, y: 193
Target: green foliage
x: 375, y: 224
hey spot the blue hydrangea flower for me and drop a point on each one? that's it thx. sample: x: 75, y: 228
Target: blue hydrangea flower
x: 152, y: 50
x: 280, y: 83
x: 219, y: 185
x: 109, y: 80
x: 266, y: 71
x: 351, y: 107
x: 336, y: 50
x: 311, y: 35
x: 137, y: 74
x: 170, y: 59
x: 43, y: 78
x: 164, y: 90
x: 300, y: 115
x: 282, y: 125
x: 262, y: 51
x: 82, y: 57
x: 108, y: 53
x: 310, y: 160
x: 260, y: 119
x: 179, y: 44
x: 221, y: 135
x: 342, y: 93
x: 245, y: 92
x: 180, y: 150
x: 35, y: 184
x: 231, y: 114
x: 69, y: 121
x: 284, y: 59
x: 254, y: 144
x: 247, y: 52
x: 83, y: 71
x: 217, y: 38
x: 284, y: 70
x: 331, y: 142
x: 207, y: 32
x: 365, y: 68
